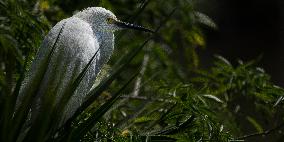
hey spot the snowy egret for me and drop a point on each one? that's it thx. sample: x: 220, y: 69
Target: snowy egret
x: 82, y: 35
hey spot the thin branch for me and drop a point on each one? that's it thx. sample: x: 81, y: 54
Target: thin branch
x: 265, y: 133
x: 146, y: 98
x: 138, y: 81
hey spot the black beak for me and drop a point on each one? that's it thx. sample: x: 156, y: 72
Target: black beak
x: 131, y: 26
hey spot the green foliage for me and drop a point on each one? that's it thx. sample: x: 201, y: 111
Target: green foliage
x: 251, y: 100
x: 18, y: 43
x: 169, y: 99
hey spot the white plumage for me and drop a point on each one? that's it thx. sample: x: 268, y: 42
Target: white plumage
x: 82, y: 36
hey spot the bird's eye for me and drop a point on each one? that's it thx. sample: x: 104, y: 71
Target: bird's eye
x: 110, y: 20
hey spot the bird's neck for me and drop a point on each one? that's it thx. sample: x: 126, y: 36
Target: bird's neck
x: 105, y: 39
x: 106, y: 42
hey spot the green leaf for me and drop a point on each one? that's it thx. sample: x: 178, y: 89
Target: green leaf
x: 143, y: 119
x: 213, y: 98
x: 206, y: 20
x: 255, y: 124
x: 177, y: 129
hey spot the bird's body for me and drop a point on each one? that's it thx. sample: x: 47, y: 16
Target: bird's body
x: 82, y: 35
x: 77, y: 43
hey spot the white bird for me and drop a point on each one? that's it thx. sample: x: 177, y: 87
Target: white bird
x: 82, y: 35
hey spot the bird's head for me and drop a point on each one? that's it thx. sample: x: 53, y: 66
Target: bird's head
x: 103, y: 20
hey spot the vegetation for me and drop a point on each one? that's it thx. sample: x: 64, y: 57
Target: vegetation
x: 153, y: 89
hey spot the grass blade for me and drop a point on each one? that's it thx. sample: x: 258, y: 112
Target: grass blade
x: 80, y: 131
x: 8, y: 105
x: 30, y: 92
x: 105, y: 83
x: 59, y: 109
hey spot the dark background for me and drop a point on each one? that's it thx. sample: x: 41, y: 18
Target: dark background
x: 247, y: 30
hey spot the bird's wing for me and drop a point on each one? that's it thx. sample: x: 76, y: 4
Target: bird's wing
x: 74, y: 48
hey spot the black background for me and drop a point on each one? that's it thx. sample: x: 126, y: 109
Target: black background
x: 246, y: 30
